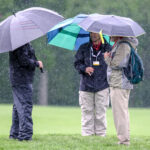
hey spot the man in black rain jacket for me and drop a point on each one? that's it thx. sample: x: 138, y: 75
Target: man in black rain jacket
x: 93, y: 91
x: 22, y: 67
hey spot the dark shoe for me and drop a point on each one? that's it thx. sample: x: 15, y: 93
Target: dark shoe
x: 124, y: 143
x: 26, y: 139
x: 12, y: 137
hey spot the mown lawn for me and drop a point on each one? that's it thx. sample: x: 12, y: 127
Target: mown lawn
x: 58, y: 128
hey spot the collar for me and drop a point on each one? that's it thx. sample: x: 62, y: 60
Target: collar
x: 96, y: 46
x: 117, y: 42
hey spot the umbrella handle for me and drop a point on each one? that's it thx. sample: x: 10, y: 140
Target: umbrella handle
x: 41, y: 69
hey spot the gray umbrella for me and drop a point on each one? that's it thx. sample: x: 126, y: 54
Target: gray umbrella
x: 25, y: 26
x: 112, y: 25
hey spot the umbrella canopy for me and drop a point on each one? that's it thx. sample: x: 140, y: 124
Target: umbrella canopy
x: 112, y: 25
x: 68, y: 34
x: 25, y: 26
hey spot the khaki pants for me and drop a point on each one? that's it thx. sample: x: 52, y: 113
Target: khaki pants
x: 93, y: 110
x: 119, y: 101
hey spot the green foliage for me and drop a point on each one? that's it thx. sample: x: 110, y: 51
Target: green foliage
x: 21, y: 4
x: 62, y: 78
x: 5, y: 90
x: 57, y: 5
x: 6, y: 8
x: 63, y: 81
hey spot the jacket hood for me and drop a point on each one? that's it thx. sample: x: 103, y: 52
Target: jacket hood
x: 133, y: 40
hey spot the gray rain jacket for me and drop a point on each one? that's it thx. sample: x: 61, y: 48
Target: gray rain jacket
x: 119, y: 58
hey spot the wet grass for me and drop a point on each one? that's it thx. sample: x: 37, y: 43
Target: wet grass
x: 73, y: 142
x: 58, y: 128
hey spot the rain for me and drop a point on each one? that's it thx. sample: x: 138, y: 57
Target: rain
x: 59, y: 84
x: 58, y: 63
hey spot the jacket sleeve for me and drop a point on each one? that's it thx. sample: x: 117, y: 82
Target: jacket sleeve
x: 79, y: 61
x: 24, y: 58
x: 120, y: 58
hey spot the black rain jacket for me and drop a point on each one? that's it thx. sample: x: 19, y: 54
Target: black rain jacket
x: 84, y: 58
x: 22, y: 62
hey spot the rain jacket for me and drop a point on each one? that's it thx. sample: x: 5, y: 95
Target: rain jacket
x: 22, y: 65
x: 119, y: 58
x: 83, y: 58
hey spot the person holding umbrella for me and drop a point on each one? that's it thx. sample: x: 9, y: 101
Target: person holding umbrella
x: 22, y: 67
x: 16, y: 32
x: 123, y: 31
x: 94, y: 91
x: 120, y: 86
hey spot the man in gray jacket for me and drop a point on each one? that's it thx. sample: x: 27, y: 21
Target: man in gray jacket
x: 119, y: 85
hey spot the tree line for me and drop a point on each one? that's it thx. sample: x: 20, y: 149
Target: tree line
x: 60, y: 83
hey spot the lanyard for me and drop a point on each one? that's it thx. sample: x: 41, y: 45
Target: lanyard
x: 95, y: 55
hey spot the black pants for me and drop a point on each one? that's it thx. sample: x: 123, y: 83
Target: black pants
x: 22, y: 124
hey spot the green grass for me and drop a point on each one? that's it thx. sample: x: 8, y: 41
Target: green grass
x: 58, y: 128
